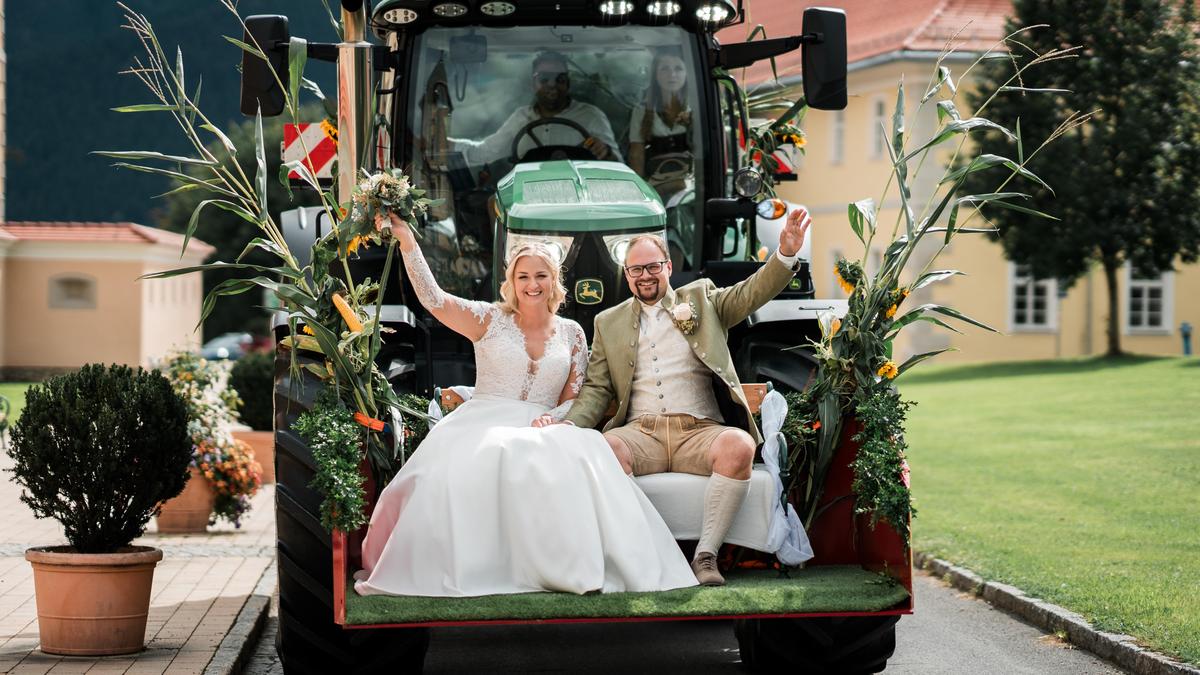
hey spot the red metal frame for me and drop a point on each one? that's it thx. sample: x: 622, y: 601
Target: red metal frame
x: 839, y: 537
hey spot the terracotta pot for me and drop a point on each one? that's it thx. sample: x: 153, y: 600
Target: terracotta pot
x: 189, y: 512
x: 263, y: 443
x: 91, y: 604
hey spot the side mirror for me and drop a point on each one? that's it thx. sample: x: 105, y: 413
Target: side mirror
x: 825, y: 58
x: 260, y: 88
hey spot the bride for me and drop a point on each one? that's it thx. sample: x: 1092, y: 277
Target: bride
x: 496, y: 499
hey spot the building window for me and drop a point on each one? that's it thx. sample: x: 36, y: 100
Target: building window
x: 1148, y: 302
x: 1033, y: 300
x: 837, y: 144
x: 73, y: 292
x: 879, y: 128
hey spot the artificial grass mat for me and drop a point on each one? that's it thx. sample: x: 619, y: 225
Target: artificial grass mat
x: 813, y: 589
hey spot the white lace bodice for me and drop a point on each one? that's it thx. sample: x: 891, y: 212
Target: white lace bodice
x: 503, y: 367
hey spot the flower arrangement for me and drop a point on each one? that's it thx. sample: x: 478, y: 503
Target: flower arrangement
x: 227, y: 463
x: 856, y: 371
x: 326, y: 307
x: 683, y: 316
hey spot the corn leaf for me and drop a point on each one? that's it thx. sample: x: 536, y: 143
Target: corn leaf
x: 909, y: 318
x: 934, y: 277
x: 947, y: 109
x: 297, y: 57
x: 149, y: 154
x: 208, y: 267
x: 917, y: 358
x: 959, y: 127
x: 147, y: 107
x: 862, y: 213
x: 943, y: 79
x: 260, y: 156
x: 988, y: 161
x: 246, y: 47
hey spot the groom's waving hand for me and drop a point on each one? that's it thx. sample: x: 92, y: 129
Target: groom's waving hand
x: 663, y: 356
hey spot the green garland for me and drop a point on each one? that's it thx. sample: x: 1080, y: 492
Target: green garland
x: 336, y: 441
x: 880, y: 470
x: 337, y: 445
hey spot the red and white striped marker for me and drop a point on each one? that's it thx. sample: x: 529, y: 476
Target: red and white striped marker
x: 322, y: 149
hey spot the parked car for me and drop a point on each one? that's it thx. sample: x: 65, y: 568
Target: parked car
x: 227, y: 346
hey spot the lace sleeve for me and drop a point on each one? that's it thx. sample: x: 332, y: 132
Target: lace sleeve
x: 579, y: 361
x: 469, y: 317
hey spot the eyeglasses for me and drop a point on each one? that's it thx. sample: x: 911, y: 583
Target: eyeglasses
x: 635, y: 271
x: 547, y: 78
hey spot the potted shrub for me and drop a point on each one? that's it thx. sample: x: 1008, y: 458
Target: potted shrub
x: 253, y: 378
x: 224, y: 474
x: 98, y: 450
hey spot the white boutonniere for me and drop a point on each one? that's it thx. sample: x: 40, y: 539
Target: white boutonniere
x: 684, y: 317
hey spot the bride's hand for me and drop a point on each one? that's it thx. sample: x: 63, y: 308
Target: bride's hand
x: 399, y: 227
x: 543, y: 421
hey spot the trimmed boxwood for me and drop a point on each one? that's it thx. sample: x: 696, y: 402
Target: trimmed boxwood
x: 98, y: 450
x: 253, y: 378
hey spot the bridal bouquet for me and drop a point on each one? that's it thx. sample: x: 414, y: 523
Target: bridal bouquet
x: 376, y: 195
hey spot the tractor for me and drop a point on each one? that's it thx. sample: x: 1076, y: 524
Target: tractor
x: 439, y: 88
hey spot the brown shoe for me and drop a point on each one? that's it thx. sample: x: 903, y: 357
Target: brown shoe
x: 705, y: 569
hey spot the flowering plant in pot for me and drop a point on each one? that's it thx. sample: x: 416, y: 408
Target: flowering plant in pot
x: 224, y: 473
x: 98, y: 450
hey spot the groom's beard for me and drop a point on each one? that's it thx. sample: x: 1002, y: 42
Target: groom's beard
x: 650, y: 293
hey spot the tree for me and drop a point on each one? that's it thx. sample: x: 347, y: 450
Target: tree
x: 230, y: 233
x: 1127, y: 185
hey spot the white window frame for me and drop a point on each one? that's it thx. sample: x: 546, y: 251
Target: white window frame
x: 837, y: 145
x: 1050, y: 286
x: 878, y: 133
x: 1165, y: 282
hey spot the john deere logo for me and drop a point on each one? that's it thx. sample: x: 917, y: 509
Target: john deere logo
x: 589, y: 291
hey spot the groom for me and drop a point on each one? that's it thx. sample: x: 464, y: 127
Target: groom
x: 663, y: 355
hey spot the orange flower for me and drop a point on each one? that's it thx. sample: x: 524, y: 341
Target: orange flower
x: 891, y: 311
x: 846, y: 285
x: 837, y: 324
x: 308, y: 330
x: 816, y: 425
x: 888, y: 370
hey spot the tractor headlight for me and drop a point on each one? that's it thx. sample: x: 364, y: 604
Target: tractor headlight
x: 560, y: 245
x: 715, y: 12
x: 618, y: 244
x: 747, y: 182
x: 663, y: 8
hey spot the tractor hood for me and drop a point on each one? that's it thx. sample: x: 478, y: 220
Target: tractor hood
x: 578, y: 196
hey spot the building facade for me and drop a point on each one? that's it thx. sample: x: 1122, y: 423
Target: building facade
x: 847, y: 161
x: 72, y: 293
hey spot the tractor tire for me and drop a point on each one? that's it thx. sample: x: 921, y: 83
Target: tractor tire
x: 308, y: 640
x: 844, y: 645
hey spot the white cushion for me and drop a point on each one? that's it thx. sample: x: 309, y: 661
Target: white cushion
x: 679, y: 498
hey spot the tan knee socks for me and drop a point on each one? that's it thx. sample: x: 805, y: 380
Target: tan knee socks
x: 722, y: 498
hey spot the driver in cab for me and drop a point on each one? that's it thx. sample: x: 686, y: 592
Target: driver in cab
x: 552, y: 99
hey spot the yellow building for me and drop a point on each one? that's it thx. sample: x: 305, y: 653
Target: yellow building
x: 70, y: 294
x: 847, y: 161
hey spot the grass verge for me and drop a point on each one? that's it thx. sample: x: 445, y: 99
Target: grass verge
x: 15, y: 393
x: 1075, y: 481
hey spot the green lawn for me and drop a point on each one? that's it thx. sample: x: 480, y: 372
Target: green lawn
x: 15, y: 393
x: 1076, y: 481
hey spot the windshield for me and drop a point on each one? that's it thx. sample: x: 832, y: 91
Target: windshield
x: 485, y: 99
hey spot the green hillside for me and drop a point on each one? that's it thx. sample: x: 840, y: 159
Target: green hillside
x: 63, y: 65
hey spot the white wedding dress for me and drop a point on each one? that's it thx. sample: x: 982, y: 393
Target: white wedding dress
x: 488, y: 504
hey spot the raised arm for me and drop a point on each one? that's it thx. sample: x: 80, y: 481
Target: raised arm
x: 469, y: 318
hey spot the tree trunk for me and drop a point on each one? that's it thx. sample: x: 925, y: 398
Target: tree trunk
x: 1114, y: 307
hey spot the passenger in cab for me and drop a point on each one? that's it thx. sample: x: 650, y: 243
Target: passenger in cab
x: 552, y: 99
x: 660, y: 128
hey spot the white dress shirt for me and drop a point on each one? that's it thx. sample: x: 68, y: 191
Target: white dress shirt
x: 499, y: 144
x: 668, y: 378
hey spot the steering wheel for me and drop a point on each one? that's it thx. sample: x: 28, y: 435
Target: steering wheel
x: 546, y: 152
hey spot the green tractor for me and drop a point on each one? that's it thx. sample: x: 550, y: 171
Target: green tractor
x: 535, y: 119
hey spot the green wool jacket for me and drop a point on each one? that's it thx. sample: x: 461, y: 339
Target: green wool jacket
x: 614, y: 346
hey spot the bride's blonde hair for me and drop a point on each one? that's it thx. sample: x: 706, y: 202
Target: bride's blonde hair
x: 558, y: 293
